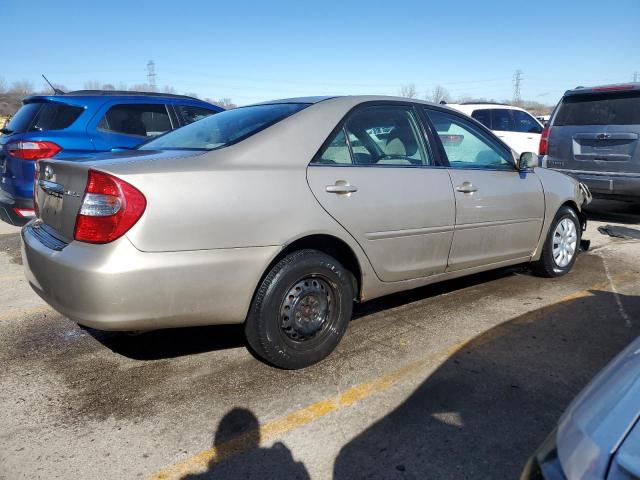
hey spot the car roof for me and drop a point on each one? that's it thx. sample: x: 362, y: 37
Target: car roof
x: 347, y: 100
x: 600, y: 89
x: 89, y: 95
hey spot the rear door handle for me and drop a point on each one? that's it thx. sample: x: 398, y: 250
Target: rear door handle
x: 341, y: 187
x: 466, y: 187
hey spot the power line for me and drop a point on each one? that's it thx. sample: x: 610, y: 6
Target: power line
x: 517, y: 80
x: 151, y: 75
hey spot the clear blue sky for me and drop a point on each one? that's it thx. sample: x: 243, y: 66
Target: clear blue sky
x: 252, y: 51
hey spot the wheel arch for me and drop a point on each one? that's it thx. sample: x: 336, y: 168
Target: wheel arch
x: 331, y: 245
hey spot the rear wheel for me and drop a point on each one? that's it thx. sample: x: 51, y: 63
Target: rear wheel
x: 561, y: 246
x: 301, y: 310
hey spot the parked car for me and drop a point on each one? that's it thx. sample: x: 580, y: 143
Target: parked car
x: 274, y: 216
x: 593, y: 136
x: 515, y: 126
x: 598, y: 436
x: 81, y: 124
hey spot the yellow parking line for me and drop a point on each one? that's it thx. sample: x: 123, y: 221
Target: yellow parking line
x: 200, y: 461
x: 304, y: 416
x: 17, y: 312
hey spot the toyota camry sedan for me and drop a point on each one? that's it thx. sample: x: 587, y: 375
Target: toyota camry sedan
x: 280, y: 215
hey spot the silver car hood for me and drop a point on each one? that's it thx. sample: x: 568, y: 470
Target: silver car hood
x: 599, y: 419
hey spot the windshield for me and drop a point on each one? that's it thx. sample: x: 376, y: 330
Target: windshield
x: 224, y: 128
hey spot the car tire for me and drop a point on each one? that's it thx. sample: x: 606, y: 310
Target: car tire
x: 561, y: 246
x: 301, y: 310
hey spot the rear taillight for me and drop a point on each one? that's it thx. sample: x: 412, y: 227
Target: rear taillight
x: 32, y: 150
x: 25, y: 212
x: 110, y: 207
x: 544, y: 141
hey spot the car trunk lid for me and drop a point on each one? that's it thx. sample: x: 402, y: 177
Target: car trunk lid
x: 58, y: 192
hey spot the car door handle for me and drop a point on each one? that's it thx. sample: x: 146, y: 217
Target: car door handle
x: 341, y: 187
x: 466, y: 187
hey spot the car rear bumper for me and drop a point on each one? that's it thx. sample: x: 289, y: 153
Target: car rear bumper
x: 117, y: 287
x: 608, y: 184
x: 8, y: 204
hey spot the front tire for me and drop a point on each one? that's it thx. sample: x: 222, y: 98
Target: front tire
x: 301, y: 310
x: 561, y: 246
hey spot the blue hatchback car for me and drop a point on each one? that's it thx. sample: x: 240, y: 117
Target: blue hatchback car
x: 81, y: 124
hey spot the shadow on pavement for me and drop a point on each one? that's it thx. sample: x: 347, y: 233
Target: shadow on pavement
x: 488, y: 407
x: 238, y: 432
x: 160, y: 344
x: 613, y: 211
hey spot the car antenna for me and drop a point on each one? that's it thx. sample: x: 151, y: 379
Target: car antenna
x: 57, y: 91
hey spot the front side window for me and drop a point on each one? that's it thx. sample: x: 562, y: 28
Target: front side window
x: 385, y: 135
x: 138, y: 120
x: 466, y: 146
x: 525, y: 123
x: 193, y: 114
x: 224, y: 128
x: 501, y: 120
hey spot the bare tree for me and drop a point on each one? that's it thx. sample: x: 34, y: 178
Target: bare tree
x: 22, y: 88
x: 192, y: 94
x: 225, y: 103
x: 408, y: 91
x: 3, y: 85
x: 168, y: 89
x: 93, y: 85
x: 439, y: 94
x: 108, y: 86
x: 140, y: 87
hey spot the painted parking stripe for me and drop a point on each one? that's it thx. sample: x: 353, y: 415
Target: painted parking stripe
x: 271, y: 430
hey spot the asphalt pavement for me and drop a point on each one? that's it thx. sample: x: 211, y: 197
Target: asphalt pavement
x: 457, y: 380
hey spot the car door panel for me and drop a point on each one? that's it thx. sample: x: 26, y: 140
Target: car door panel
x: 402, y: 217
x: 502, y: 220
x: 499, y: 210
x: 384, y: 189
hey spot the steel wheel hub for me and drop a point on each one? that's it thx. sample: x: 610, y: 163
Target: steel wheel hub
x: 306, y: 308
x: 565, y: 240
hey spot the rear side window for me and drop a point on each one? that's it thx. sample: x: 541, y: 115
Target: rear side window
x: 55, y: 116
x: 483, y: 116
x: 225, y: 128
x: 502, y: 120
x: 621, y: 108
x: 192, y: 114
x: 44, y: 116
x: 139, y: 120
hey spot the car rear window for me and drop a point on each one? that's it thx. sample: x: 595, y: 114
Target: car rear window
x: 224, y: 128
x: 41, y: 116
x: 620, y: 108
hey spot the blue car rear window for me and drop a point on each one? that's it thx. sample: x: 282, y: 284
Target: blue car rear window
x: 224, y: 128
x: 43, y: 116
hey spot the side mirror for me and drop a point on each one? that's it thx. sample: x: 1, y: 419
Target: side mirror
x: 528, y: 160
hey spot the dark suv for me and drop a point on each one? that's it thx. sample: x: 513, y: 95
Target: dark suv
x: 593, y: 136
x: 81, y: 124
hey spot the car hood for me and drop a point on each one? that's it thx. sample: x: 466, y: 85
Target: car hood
x: 600, y: 417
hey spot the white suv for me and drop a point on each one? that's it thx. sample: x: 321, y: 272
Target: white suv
x: 515, y: 126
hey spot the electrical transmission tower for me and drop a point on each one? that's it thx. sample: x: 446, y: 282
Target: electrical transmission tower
x: 517, y: 81
x: 636, y: 76
x: 151, y: 75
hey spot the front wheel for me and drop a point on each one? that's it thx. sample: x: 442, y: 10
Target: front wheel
x: 301, y: 310
x: 561, y: 246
